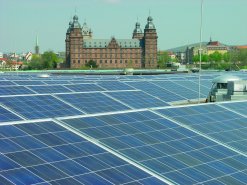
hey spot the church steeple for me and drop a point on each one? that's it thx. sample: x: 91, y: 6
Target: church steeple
x: 37, y: 46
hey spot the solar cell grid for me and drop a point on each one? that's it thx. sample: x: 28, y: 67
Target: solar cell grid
x: 137, y: 99
x: 214, y: 121
x: 84, y: 87
x: 93, y: 102
x: 239, y: 107
x: 29, y: 82
x: 157, y: 91
x: 55, y: 164
x: 114, y: 85
x: 41, y: 106
x: 49, y: 89
x: 168, y: 149
x: 6, y: 115
x: 14, y: 90
x: 180, y: 90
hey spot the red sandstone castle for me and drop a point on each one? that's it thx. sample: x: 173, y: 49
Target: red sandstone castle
x: 138, y: 52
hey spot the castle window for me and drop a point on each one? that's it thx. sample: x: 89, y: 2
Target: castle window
x: 74, y: 61
x: 78, y: 61
x: 136, y: 61
x: 121, y: 61
x: 110, y: 61
x: 115, y: 61
x: 100, y: 61
x: 126, y: 61
x: 105, y: 61
x: 85, y: 61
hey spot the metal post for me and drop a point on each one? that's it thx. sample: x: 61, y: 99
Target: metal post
x: 200, y: 53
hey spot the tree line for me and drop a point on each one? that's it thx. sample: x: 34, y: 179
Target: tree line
x: 233, y: 59
x: 47, y: 60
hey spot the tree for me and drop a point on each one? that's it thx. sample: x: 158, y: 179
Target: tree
x: 164, y: 58
x: 91, y: 64
x: 216, y: 57
x: 49, y: 60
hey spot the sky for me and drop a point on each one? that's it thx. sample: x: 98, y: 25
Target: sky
x: 177, y: 21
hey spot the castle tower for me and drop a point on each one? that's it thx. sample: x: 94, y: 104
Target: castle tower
x: 86, y: 31
x: 75, y: 44
x: 37, y: 46
x: 150, y: 44
x: 67, y: 46
x: 137, y: 33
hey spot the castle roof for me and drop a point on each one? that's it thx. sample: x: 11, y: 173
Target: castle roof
x: 103, y: 43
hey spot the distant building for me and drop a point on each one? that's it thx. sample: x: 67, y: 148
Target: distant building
x: 181, y: 56
x: 209, y: 48
x: 241, y: 47
x: 214, y: 46
x: 28, y: 56
x: 138, y: 52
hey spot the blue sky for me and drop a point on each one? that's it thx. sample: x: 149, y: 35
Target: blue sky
x: 177, y: 21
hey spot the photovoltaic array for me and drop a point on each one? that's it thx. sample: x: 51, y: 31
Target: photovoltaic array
x: 71, y: 129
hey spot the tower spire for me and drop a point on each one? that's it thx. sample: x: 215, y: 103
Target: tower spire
x: 37, y: 40
x: 37, y: 46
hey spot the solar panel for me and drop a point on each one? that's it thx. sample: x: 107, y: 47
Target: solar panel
x: 39, y: 106
x: 6, y: 115
x: 157, y: 91
x: 216, y: 122
x: 69, y: 161
x: 84, y: 87
x: 93, y: 102
x: 114, y: 85
x: 29, y: 82
x: 172, y: 151
x: 137, y: 99
x: 56, y: 82
x: 3, y: 83
x: 239, y: 107
x: 43, y: 89
x: 179, y: 90
x: 14, y: 90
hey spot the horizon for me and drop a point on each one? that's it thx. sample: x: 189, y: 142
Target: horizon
x: 49, y: 20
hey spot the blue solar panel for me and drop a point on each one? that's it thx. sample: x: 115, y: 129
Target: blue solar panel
x: 56, y: 82
x: 137, y: 99
x: 29, y: 82
x: 214, y: 121
x: 84, y: 87
x: 67, y: 163
x: 172, y: 151
x: 239, y: 107
x: 2, y: 83
x: 6, y: 115
x: 49, y: 89
x: 14, y: 90
x: 39, y: 106
x: 151, y: 88
x: 93, y: 102
x: 114, y: 85
x: 178, y: 89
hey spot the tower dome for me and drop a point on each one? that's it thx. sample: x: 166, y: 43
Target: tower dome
x: 75, y: 18
x: 86, y: 31
x: 150, y: 24
x: 138, y: 28
x: 70, y: 24
x: 75, y: 23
